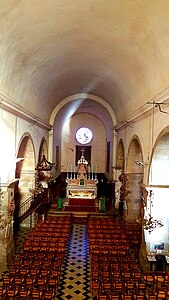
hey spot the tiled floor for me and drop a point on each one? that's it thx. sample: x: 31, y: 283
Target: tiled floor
x: 74, y: 282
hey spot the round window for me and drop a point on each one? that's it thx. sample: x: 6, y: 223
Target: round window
x: 84, y: 135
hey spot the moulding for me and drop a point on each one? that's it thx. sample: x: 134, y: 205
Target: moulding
x: 7, y: 104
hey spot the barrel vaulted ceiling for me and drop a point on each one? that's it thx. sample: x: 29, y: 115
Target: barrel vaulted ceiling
x: 116, y: 50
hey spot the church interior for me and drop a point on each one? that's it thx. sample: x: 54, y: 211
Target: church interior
x: 84, y: 156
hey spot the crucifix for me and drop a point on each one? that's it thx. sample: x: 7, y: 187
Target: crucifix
x: 83, y: 150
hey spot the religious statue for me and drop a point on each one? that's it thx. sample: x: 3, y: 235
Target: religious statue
x: 82, y: 167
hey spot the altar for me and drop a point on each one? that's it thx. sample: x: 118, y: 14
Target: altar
x: 83, y: 183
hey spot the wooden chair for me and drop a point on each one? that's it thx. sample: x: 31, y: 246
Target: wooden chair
x: 29, y: 281
x: 116, y: 276
x: 126, y: 297
x: 55, y: 273
x: 106, y: 286
x: 113, y: 297
x: 159, y: 280
x: 11, y: 292
x: 41, y: 281
x: 161, y: 295
x: 140, y: 286
x: 117, y: 287
x: 13, y: 269
x: 101, y: 297
x: 52, y: 282
x: 36, y: 294
x: 151, y: 297
x: 24, y: 294
x: 18, y: 281
x: 94, y: 286
x: 138, y: 297
x: 2, y: 292
x: 137, y: 276
x: 7, y: 280
x: 23, y: 271
x: 149, y: 280
x: 49, y: 294
x: 129, y: 287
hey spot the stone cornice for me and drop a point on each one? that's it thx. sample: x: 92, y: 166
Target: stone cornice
x: 7, y: 104
x: 146, y: 108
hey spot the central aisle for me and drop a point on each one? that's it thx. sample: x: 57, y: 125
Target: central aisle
x: 75, y: 276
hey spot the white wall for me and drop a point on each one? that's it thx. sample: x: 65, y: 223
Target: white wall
x: 98, y: 143
x: 12, y: 129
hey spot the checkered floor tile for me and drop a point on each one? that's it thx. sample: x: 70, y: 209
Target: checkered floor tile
x: 75, y: 277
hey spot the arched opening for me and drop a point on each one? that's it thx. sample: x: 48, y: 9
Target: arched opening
x: 120, y: 159
x: 158, y: 197
x: 25, y: 172
x: 134, y: 172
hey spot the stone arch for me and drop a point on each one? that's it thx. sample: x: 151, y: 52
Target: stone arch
x: 157, y: 201
x: 25, y: 168
x: 135, y: 162
x: 134, y: 171
x: 120, y: 157
x: 26, y: 151
x: 160, y: 160
x: 82, y: 97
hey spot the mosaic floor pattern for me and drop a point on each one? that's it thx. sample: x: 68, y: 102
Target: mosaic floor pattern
x: 75, y: 277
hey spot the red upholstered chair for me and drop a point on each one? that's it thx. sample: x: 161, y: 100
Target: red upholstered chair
x: 126, y: 297
x: 94, y: 286
x: 36, y: 294
x: 138, y: 297
x: 113, y: 297
x: 11, y: 292
x: 49, y: 294
x: 102, y: 297
x: 24, y: 294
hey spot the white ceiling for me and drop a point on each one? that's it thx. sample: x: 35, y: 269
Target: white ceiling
x: 117, y: 50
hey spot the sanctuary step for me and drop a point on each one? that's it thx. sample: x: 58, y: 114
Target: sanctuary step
x: 74, y: 208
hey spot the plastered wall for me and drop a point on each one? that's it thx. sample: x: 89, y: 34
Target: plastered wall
x: 98, y: 143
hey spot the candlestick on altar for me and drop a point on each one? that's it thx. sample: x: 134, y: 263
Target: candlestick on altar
x: 88, y: 172
x: 96, y: 172
x: 74, y: 172
x: 92, y: 172
x: 67, y: 171
x: 71, y: 169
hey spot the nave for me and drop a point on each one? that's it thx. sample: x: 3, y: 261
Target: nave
x: 60, y: 259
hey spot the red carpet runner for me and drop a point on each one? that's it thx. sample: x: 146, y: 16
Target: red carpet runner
x: 81, y: 204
